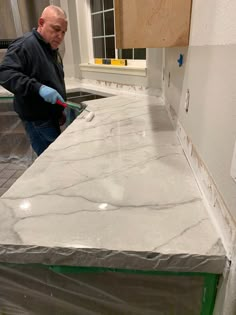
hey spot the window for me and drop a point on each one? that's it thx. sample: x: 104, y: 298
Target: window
x: 103, y: 33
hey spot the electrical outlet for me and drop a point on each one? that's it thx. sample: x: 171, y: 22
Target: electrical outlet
x: 186, y: 102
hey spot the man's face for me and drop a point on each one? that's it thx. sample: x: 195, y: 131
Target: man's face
x: 53, y: 30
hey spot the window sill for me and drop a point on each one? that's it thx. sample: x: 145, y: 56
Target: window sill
x: 125, y: 70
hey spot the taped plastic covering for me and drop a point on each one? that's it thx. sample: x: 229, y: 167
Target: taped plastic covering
x: 14, y: 144
x: 40, y: 290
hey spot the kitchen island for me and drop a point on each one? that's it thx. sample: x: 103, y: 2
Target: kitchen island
x: 115, y: 193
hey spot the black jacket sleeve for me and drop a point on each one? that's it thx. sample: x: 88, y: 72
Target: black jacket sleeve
x: 13, y: 73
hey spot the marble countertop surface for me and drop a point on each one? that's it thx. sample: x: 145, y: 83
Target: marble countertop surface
x: 113, y: 192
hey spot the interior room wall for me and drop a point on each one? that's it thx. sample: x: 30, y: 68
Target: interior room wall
x: 209, y: 73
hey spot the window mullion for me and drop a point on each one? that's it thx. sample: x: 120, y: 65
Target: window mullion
x: 104, y: 30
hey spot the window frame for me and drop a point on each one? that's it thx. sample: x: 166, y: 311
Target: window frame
x: 104, y: 36
x: 135, y: 67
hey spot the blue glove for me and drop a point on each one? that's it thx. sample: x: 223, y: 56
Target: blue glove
x: 49, y: 94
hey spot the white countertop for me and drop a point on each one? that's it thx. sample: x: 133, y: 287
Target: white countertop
x: 114, y: 192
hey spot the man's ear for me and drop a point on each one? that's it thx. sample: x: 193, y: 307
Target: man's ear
x: 40, y: 22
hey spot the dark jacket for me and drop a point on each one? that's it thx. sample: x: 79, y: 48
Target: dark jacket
x: 29, y: 63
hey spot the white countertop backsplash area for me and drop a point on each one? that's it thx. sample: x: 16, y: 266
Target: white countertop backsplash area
x: 102, y: 88
x: 113, y: 192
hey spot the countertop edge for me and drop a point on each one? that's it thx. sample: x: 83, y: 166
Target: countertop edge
x: 107, y: 258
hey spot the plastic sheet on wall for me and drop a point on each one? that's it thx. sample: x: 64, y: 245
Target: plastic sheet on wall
x: 41, y: 290
x: 14, y: 144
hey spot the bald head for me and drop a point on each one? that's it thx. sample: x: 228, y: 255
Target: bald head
x: 53, y: 10
x: 52, y: 25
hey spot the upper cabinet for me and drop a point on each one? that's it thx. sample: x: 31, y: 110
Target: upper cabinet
x: 152, y: 23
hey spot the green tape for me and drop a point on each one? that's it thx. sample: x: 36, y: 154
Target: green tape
x: 209, y: 293
x: 6, y: 98
x: 76, y: 269
x: 75, y: 106
x: 82, y: 269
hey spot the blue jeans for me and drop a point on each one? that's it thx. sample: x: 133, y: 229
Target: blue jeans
x: 41, y: 133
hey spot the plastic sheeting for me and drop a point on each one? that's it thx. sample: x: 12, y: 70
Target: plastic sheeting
x: 14, y: 143
x: 40, y: 290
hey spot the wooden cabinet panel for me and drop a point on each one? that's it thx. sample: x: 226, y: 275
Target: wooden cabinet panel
x: 152, y: 23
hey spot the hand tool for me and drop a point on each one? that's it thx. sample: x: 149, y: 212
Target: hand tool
x: 81, y: 107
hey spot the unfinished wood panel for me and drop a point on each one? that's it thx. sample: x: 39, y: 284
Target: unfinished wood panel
x: 152, y: 23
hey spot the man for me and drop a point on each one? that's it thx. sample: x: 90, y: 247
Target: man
x: 32, y: 70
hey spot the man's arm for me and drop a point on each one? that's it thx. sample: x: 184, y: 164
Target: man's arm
x: 12, y: 76
x: 14, y: 79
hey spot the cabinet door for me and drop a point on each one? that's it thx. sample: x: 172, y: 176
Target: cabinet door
x: 152, y: 23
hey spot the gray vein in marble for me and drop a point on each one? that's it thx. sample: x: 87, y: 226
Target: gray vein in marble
x: 154, y: 158
x: 8, y: 220
x: 113, y: 172
x: 79, y: 143
x: 104, y: 139
x: 216, y: 248
x: 106, y: 175
x: 93, y: 125
x: 181, y: 234
x: 115, y: 107
x: 115, y: 207
x: 111, y: 134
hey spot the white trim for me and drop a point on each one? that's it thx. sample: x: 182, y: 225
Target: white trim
x: 85, y: 30
x: 136, y: 71
x: 16, y: 18
x: 102, y: 36
x: 138, y: 63
x: 99, y: 12
x: 90, y: 32
x: 104, y: 32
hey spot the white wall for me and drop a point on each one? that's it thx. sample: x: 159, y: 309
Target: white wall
x: 209, y: 73
x: 210, y: 123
